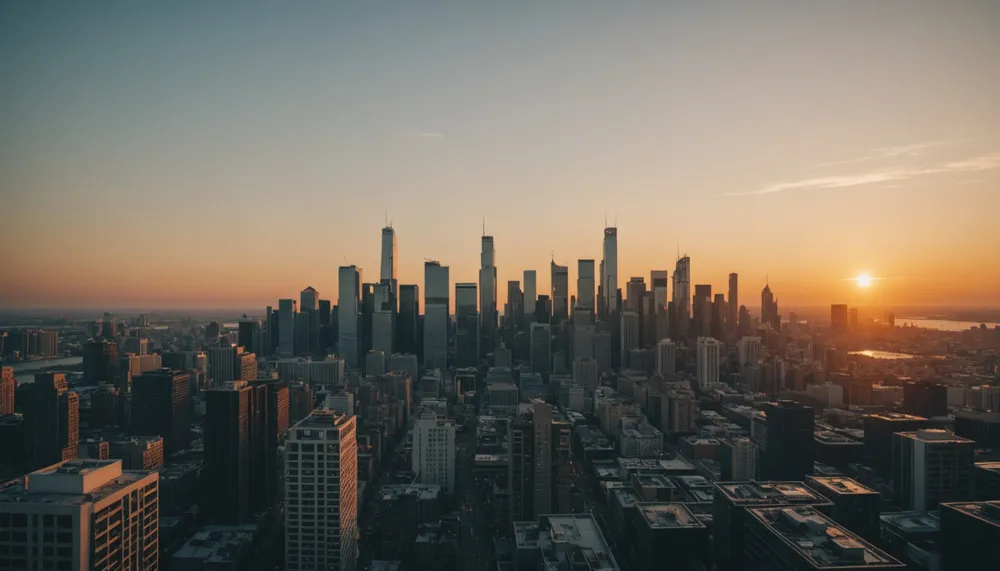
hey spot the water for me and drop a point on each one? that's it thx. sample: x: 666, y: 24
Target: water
x: 24, y: 371
x: 887, y: 355
x: 940, y: 324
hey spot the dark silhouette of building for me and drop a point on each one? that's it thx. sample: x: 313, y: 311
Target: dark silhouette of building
x: 100, y: 361
x: 15, y: 445
x: 925, y: 399
x: 161, y: 405
x: 53, y: 420
x: 790, y: 428
x: 249, y: 336
x: 970, y: 533
x: 838, y: 317
x: 983, y: 427
x: 855, y: 507
x: 407, y: 322
x: 879, y: 429
x: 701, y: 317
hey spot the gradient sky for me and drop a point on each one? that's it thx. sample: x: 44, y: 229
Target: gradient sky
x: 213, y: 154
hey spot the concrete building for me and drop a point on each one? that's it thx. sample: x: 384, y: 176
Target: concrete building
x: 81, y: 515
x: 375, y: 363
x: 739, y: 459
x: 932, y: 466
x: 434, y: 452
x: 666, y: 358
x: 639, y: 439
x: 709, y: 358
x: 749, y: 351
x: 502, y: 398
x: 561, y: 542
x: 585, y: 373
x: 138, y: 452
x: 855, y: 507
x: 342, y: 403
x: 321, y: 514
x: 667, y: 532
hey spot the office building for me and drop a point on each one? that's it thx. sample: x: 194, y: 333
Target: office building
x: 855, y: 507
x: 384, y: 318
x: 879, y: 429
x: 666, y: 532
x: 530, y: 293
x: 366, y: 313
x: 138, y: 452
x: 560, y: 292
x: 286, y: 327
x: 374, y: 363
x: 658, y: 280
x: 7, y: 389
x: 586, y: 374
x: 970, y: 533
x: 609, y: 274
x: 408, y: 320
x: 538, y: 463
x: 466, y: 325
x: 731, y: 504
x: 249, y: 335
x: 769, y: 308
x: 348, y: 315
x: 838, y: 318
x: 81, y: 515
x: 53, y: 420
x: 321, y: 513
x: 222, y: 363
x: 666, y: 358
x: 794, y: 538
x: 630, y: 336
x: 436, y: 316
x: 585, y: 285
x: 749, y: 350
x: 790, y: 427
x: 161, y: 406
x: 564, y: 541
x: 541, y: 348
x: 388, y: 267
x: 925, y: 399
x: 308, y: 299
x: 930, y: 467
x: 682, y: 295
x: 434, y: 452
x: 852, y: 318
x: 739, y: 459
x: 487, y: 298
x: 701, y: 317
x: 733, y: 302
x: 709, y: 356
x: 100, y: 362
x: 341, y: 402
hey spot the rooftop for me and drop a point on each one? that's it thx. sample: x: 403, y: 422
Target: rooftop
x: 833, y: 439
x: 419, y: 491
x: 988, y: 512
x: 565, y: 539
x: 839, y: 486
x: 764, y: 493
x: 820, y: 541
x: 989, y: 466
x: 935, y: 435
x: 219, y: 546
x: 382, y: 565
x: 895, y: 416
x: 75, y: 482
x: 668, y: 516
x: 321, y: 418
x: 913, y: 522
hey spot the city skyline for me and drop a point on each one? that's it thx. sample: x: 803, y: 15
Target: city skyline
x: 205, y: 158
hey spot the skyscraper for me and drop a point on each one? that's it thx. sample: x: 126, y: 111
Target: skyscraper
x: 321, y: 519
x: 383, y: 318
x: 609, y: 271
x: 308, y: 299
x: 931, y: 467
x: 436, y: 318
x: 286, y: 327
x: 682, y: 295
x: 585, y: 285
x: 629, y: 336
x: 487, y: 298
x: 513, y: 309
x: 838, y: 317
x: 541, y: 348
x: 733, y: 304
x: 54, y: 420
x: 466, y: 325
x: 769, y: 308
x: 701, y: 324
x: 409, y: 310
x: 530, y: 293
x: 560, y: 292
x: 388, y: 268
x: 666, y: 358
x: 348, y: 301
x: 7, y: 388
x: 658, y: 282
x: 249, y: 335
x: 433, y: 458
x: 790, y: 427
x: 709, y: 357
x: 100, y: 361
x: 161, y: 406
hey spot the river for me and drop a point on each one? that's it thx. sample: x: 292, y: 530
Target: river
x: 887, y: 355
x: 940, y: 324
x: 24, y: 371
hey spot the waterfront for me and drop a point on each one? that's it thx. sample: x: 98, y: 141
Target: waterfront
x: 885, y: 355
x: 940, y: 324
x: 24, y: 371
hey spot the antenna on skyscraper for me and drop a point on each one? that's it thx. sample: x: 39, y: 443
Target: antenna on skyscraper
x: 484, y: 226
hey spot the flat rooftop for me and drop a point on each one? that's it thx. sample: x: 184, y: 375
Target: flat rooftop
x: 989, y: 466
x: 419, y: 491
x: 895, y: 416
x: 75, y: 482
x: 668, y: 516
x: 820, y: 541
x: 321, y: 418
x: 651, y: 481
x: 772, y: 493
x: 840, y: 486
x: 935, y: 436
x: 217, y: 546
x: 562, y: 538
x: 988, y: 512
x: 913, y: 522
x: 826, y: 437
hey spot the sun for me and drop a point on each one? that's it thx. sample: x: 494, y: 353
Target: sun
x: 863, y: 280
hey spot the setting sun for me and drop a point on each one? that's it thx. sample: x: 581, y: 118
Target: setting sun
x: 863, y: 280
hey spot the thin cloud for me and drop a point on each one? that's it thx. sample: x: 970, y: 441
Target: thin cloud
x: 894, y: 152
x: 900, y: 174
x: 424, y: 135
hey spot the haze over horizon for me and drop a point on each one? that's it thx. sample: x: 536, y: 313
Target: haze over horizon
x: 197, y: 156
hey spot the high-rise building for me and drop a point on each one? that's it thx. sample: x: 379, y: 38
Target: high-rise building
x: 970, y: 532
x: 838, y: 317
x: 925, y: 399
x: 348, y: 313
x: 466, y: 325
x: 487, y: 298
x: 658, y: 282
x: 383, y: 318
x: 790, y: 427
x: 161, y: 405
x: 879, y: 429
x: 221, y: 363
x: 436, y: 317
x: 238, y: 439
x: 366, y: 313
x: 769, y: 308
x: 100, y: 362
x: 733, y: 303
x: 852, y: 318
x: 666, y: 358
x: 513, y: 309
x: 321, y: 518
x: 749, y: 351
x: 586, y: 374
x: 308, y: 299
x: 53, y: 420
x: 81, y: 514
x: 739, y: 459
x: 931, y: 467
x: 682, y: 295
x: 7, y: 389
x: 709, y: 357
x: 541, y: 348
x: 701, y: 322
x: 434, y: 451
x: 388, y: 268
x: 560, y: 292
x: 249, y: 335
x: 408, y: 319
x: 630, y: 335
x: 286, y: 327
x: 530, y: 293
x: 538, y: 463
x: 585, y: 285
x: 609, y: 272
x: 138, y: 452
x: 719, y: 326
x: 855, y: 507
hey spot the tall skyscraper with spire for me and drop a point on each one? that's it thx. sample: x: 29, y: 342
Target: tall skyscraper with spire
x: 733, y: 305
x: 682, y: 294
x: 348, y: 301
x: 487, y: 297
x: 609, y: 272
x: 388, y: 267
x: 769, y: 308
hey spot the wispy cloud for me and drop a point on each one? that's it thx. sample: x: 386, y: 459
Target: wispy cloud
x: 424, y: 135
x: 889, y: 175
x: 894, y: 152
